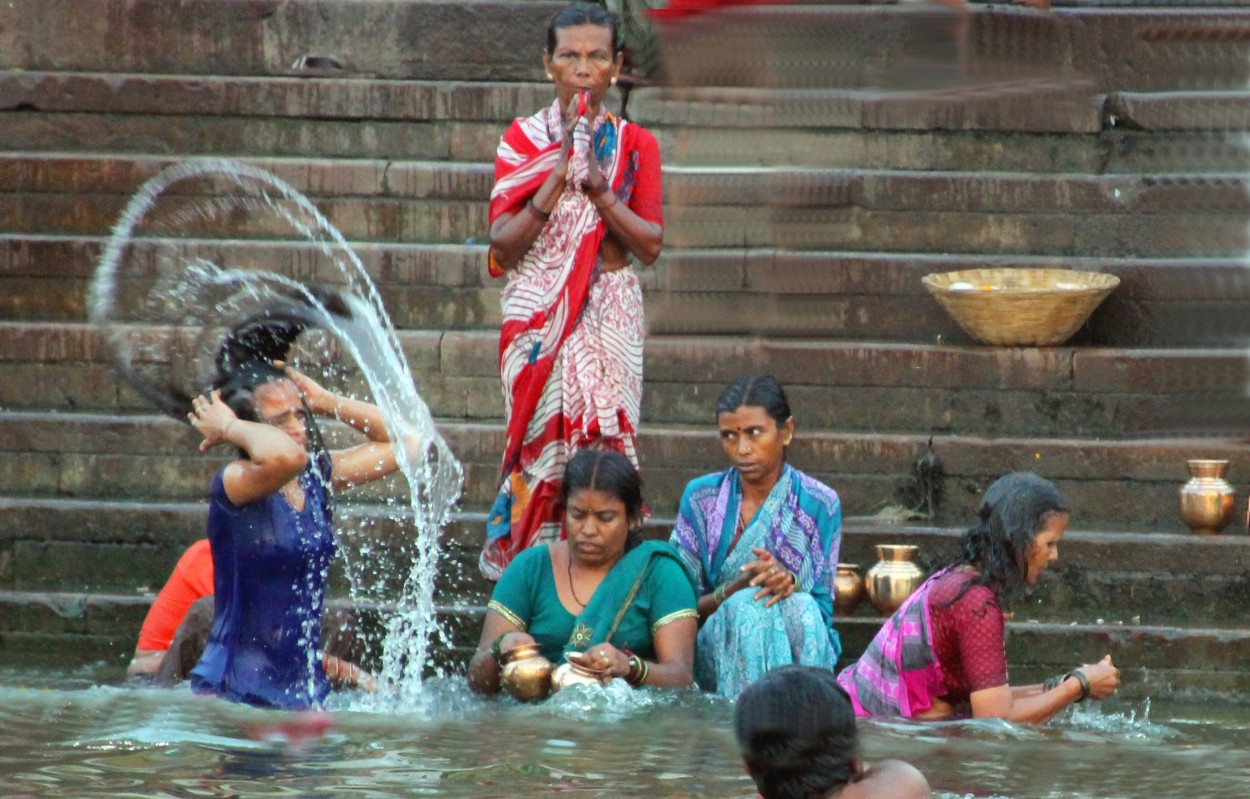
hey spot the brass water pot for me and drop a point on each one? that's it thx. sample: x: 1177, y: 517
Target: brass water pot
x: 892, y: 579
x: 526, y: 674
x: 1207, y: 500
x: 567, y: 674
x: 848, y: 589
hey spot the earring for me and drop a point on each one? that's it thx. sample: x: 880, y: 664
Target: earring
x: 550, y: 76
x: 613, y: 80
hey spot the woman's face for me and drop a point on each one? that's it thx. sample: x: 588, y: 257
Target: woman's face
x: 754, y: 444
x: 1045, y: 549
x: 597, y: 526
x: 279, y: 404
x: 582, y: 60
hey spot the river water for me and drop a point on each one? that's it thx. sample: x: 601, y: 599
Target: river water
x: 84, y: 734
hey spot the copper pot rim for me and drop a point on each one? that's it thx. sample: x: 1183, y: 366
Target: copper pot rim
x: 519, y: 652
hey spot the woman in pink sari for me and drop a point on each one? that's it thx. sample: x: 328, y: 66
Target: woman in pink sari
x: 941, y: 654
x: 577, y: 193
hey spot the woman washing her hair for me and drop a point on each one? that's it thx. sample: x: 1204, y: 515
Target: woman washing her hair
x: 941, y: 654
x: 269, y: 518
x: 762, y: 538
x: 796, y: 731
x: 576, y: 198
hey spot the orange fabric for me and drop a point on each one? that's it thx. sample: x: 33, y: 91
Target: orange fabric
x: 191, y: 579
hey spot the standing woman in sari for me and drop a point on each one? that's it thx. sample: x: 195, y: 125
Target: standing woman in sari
x: 577, y: 194
x: 763, y: 538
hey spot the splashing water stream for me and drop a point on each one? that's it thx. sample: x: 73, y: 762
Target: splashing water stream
x: 192, y: 293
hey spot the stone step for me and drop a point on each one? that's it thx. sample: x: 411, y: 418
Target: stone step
x: 1108, y: 483
x: 47, y: 628
x: 845, y: 386
x: 778, y: 187
x: 893, y: 211
x: 796, y: 46
x: 967, y: 128
x: 1180, y: 302
x: 398, y: 39
x: 1122, y: 576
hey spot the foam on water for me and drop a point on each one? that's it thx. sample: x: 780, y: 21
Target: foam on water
x: 171, y: 333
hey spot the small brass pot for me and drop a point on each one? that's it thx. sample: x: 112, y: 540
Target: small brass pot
x: 567, y: 674
x: 893, y: 578
x: 526, y: 674
x: 848, y: 589
x: 1207, y: 500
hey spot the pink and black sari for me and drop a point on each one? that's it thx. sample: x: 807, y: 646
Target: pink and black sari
x: 570, y: 349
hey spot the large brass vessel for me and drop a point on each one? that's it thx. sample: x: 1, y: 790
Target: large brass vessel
x: 893, y: 578
x: 1207, y: 500
x: 526, y: 674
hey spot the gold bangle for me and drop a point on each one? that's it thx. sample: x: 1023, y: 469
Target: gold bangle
x: 718, y: 593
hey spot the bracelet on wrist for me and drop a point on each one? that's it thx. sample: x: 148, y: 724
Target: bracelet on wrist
x: 638, y: 671
x: 536, y: 211
x: 494, y: 647
x: 718, y: 593
x: 1080, y: 677
x: 225, y: 431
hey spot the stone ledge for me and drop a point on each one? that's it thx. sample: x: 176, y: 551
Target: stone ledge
x: 432, y: 40
x: 795, y: 363
x: 1179, y: 111
x: 276, y: 96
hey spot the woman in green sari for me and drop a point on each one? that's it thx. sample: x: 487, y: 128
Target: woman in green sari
x: 601, y: 598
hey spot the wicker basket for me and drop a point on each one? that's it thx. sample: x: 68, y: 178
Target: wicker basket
x: 1020, y: 307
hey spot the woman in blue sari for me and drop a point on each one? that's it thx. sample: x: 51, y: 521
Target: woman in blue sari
x: 762, y: 538
x: 601, y: 598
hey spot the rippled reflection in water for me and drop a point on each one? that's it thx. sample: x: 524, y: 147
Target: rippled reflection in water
x: 66, y: 736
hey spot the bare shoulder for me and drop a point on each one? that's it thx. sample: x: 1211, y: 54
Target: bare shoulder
x: 889, y: 779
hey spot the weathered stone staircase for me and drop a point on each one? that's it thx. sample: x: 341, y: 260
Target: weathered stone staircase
x: 800, y: 218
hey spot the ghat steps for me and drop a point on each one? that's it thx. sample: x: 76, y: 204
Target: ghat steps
x: 1131, y: 161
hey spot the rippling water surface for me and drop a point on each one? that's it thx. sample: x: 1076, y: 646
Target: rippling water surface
x: 74, y: 735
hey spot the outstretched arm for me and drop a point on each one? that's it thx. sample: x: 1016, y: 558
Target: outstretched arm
x: 1035, y: 704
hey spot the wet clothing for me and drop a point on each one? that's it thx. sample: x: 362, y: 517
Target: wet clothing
x: 191, y: 579
x: 570, y: 347
x: 644, y: 592
x: 270, y: 566
x: 800, y: 523
x: 932, y: 648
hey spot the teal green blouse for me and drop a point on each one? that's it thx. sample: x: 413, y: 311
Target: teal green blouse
x: 526, y: 596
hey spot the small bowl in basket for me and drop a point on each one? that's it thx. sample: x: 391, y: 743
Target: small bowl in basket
x: 1020, y: 307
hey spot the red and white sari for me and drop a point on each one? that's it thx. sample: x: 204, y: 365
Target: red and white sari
x: 570, y: 350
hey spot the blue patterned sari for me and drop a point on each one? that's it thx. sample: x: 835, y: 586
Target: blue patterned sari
x: 800, y: 523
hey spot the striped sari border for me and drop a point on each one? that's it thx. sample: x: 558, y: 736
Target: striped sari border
x: 507, y: 614
x: 688, y: 613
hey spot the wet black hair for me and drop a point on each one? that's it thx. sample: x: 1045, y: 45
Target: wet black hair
x: 1014, y: 509
x: 583, y: 14
x: 612, y: 473
x: 244, y: 361
x: 756, y: 391
x: 796, y: 732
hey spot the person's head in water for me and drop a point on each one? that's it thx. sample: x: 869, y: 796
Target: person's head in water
x: 796, y: 732
x: 1022, y: 518
x: 607, y: 483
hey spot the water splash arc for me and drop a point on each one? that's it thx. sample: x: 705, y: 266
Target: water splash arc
x: 189, y: 290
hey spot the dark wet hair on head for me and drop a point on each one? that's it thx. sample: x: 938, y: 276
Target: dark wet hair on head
x: 609, y: 472
x: 583, y: 14
x: 756, y: 391
x: 796, y: 731
x: 1014, y: 509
